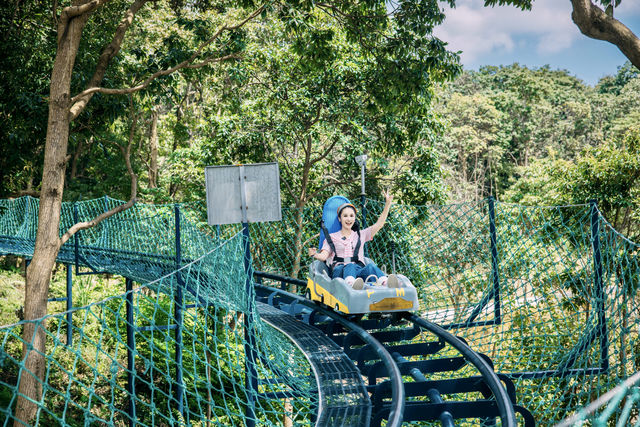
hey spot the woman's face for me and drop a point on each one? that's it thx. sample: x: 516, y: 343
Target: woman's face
x: 347, y: 217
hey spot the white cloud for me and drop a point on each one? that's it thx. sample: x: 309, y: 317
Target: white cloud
x: 477, y: 30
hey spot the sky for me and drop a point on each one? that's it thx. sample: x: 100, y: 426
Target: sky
x: 545, y: 35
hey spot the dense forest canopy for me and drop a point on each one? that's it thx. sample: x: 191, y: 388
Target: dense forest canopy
x: 133, y: 98
x: 483, y: 133
x: 120, y: 71
x: 541, y: 136
x: 499, y: 131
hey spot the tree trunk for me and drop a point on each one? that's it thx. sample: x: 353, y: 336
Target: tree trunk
x: 153, y: 150
x: 74, y: 161
x: 297, y: 243
x: 47, y: 238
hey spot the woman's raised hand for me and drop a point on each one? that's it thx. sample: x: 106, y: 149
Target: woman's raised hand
x: 388, y: 197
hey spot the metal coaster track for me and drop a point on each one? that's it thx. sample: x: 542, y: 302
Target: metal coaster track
x: 385, y: 352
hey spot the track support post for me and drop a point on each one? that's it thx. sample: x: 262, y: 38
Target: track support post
x: 131, y: 346
x: 178, y: 316
x: 69, y: 305
x: 495, y: 276
x: 598, y: 284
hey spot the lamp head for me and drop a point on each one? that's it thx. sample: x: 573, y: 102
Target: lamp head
x: 362, y: 159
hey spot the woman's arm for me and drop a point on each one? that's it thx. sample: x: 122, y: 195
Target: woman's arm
x: 320, y: 256
x: 388, y: 198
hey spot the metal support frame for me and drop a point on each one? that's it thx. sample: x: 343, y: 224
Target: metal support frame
x: 494, y: 260
x: 494, y: 292
x: 362, y: 161
x: 599, y: 287
x: 367, y: 337
x: 591, y: 334
x: 250, y: 373
x: 69, y: 303
x: 178, y: 315
x: 131, y: 346
x: 446, y: 419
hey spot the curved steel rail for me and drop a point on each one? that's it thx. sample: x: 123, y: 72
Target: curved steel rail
x: 505, y: 407
x: 397, y: 387
x: 504, y: 404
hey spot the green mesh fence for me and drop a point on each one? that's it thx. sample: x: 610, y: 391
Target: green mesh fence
x: 87, y: 380
x: 548, y: 293
x: 619, y: 405
x: 559, y: 319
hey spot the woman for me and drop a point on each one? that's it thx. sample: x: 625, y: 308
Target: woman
x: 345, y: 249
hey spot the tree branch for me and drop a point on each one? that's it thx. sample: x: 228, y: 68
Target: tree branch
x: 134, y: 190
x: 80, y: 101
x: 595, y: 23
x: 327, y: 185
x: 73, y: 11
x: 326, y: 152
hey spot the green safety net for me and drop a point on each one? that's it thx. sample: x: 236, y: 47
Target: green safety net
x: 550, y: 294
x: 87, y: 381
x: 557, y: 318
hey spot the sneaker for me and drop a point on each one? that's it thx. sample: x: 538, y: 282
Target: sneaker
x: 392, y: 281
x: 358, y: 285
x: 372, y: 279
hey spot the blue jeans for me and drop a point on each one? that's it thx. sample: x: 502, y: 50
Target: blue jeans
x: 355, y: 270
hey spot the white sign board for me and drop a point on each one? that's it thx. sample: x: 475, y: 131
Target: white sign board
x: 244, y: 193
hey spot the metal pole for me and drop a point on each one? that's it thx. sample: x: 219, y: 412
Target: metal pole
x: 76, y: 242
x: 599, y: 288
x: 362, y: 161
x: 363, y: 196
x: 131, y: 345
x: 494, y: 259
x: 178, y: 316
x: 69, y: 305
x: 250, y: 373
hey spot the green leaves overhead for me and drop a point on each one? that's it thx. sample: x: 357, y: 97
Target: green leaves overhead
x: 333, y: 78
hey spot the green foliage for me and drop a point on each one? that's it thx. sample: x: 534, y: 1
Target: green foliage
x: 12, y: 294
x: 321, y: 96
x: 503, y: 119
x: 609, y: 174
x: 27, y: 41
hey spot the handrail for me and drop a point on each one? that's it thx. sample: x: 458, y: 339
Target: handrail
x: 396, y: 412
x: 505, y: 406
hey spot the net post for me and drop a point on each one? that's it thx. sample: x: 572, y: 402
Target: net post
x: 178, y: 315
x: 250, y: 374
x: 76, y: 242
x: 363, y: 204
x: 69, y: 304
x: 131, y: 344
x: 599, y: 288
x: 494, y: 259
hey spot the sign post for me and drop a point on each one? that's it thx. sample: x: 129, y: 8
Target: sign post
x: 243, y: 194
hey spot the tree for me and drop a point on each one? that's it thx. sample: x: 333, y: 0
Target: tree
x: 312, y: 100
x: 24, y: 63
x: 609, y: 173
x: 475, y: 145
x: 595, y: 23
x: 504, y: 117
x: 214, y: 34
x: 63, y: 109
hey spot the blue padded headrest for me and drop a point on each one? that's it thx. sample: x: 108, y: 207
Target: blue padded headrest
x: 330, y: 216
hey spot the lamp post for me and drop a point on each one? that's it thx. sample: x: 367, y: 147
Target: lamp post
x: 362, y: 161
